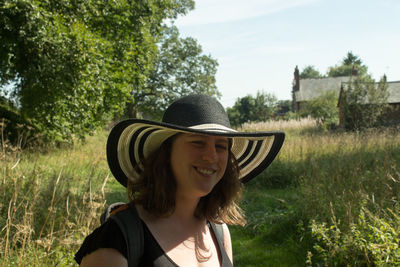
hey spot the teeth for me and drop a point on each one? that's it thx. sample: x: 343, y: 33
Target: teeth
x: 205, y: 171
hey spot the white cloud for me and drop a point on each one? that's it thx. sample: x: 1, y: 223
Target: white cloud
x: 220, y: 11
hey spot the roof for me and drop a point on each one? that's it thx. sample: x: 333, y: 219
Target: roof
x: 393, y: 89
x: 394, y: 92
x: 313, y: 88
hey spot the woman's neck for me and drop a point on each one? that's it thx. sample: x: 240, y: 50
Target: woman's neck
x: 185, y: 208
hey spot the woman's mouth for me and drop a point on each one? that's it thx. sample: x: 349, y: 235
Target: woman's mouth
x: 205, y: 171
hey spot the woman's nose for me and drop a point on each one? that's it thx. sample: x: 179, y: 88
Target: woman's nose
x: 210, y: 153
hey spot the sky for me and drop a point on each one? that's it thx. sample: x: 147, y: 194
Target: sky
x: 258, y: 43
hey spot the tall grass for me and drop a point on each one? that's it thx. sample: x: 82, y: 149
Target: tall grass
x: 281, y: 125
x: 347, y: 188
x: 50, y: 201
x: 343, y: 179
x: 330, y: 198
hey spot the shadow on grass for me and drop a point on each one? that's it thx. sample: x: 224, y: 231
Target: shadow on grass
x: 315, y: 185
x: 271, y: 236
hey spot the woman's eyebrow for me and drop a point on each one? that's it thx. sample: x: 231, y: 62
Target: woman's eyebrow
x: 219, y: 140
x: 196, y: 135
x: 222, y: 140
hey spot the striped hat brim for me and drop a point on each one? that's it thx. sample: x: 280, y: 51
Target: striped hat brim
x: 134, y: 139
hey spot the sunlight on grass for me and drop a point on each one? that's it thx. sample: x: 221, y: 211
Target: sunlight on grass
x: 280, y: 125
x: 321, y: 184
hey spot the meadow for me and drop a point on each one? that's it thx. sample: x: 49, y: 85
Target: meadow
x: 329, y: 199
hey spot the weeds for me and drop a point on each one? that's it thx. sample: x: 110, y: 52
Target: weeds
x: 50, y: 203
x: 329, y: 199
x: 346, y: 184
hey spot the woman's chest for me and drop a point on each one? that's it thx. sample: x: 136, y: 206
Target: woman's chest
x: 174, y: 248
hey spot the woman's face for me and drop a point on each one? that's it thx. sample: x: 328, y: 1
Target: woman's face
x: 198, y: 163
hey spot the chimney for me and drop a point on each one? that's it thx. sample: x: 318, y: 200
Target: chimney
x: 354, y: 70
x: 296, y: 80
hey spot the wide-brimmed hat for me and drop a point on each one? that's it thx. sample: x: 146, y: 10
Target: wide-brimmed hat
x: 132, y: 140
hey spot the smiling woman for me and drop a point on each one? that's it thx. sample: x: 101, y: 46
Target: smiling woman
x: 184, y: 178
x: 198, y: 163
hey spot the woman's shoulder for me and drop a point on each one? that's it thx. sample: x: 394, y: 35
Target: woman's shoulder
x: 108, y: 235
x: 104, y: 257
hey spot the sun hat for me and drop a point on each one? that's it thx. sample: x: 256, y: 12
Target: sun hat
x: 132, y: 140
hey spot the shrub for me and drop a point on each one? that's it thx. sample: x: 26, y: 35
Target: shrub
x: 323, y: 109
x: 15, y: 128
x: 372, y: 240
x: 363, y: 102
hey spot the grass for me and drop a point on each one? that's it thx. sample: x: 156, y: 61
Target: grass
x: 270, y: 237
x: 51, y: 200
x: 281, y: 125
x: 338, y: 178
x: 329, y: 199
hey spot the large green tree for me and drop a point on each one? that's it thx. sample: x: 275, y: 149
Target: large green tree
x: 351, y: 64
x: 180, y: 68
x: 310, y: 72
x: 73, y: 62
x: 259, y: 108
x: 363, y: 101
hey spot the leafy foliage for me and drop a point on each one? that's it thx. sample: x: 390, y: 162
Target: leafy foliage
x: 371, y: 240
x: 73, y: 63
x: 249, y: 108
x: 310, y: 72
x: 350, y: 64
x: 323, y: 108
x: 363, y: 101
x: 284, y: 109
x: 180, y: 69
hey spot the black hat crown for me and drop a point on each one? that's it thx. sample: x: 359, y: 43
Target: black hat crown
x: 195, y: 110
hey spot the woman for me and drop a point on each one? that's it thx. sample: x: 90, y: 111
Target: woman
x: 183, y: 177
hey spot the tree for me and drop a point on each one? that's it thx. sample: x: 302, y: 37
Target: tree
x: 283, y: 107
x: 323, y: 109
x: 73, y: 63
x: 248, y: 108
x: 264, y: 106
x: 350, y: 65
x: 363, y: 102
x: 180, y: 69
x: 310, y: 72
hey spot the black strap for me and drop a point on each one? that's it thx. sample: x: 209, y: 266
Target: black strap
x: 219, y: 232
x: 132, y: 229
x: 219, y: 236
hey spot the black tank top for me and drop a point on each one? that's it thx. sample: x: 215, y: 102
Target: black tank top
x: 109, y: 235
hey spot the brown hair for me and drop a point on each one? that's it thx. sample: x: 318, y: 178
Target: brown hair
x: 155, y: 189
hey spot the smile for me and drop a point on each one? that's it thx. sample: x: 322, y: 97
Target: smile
x: 205, y: 171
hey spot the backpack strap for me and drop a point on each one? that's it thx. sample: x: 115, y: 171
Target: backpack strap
x: 129, y: 222
x: 219, y: 234
x: 107, y: 213
x: 219, y: 231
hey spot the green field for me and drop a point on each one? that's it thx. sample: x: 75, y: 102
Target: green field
x: 329, y: 199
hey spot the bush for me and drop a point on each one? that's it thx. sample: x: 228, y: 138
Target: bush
x: 323, y: 109
x: 363, y: 102
x: 372, y: 240
x: 15, y: 128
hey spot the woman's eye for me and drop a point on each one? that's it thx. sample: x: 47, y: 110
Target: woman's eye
x: 197, y: 143
x: 221, y: 147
